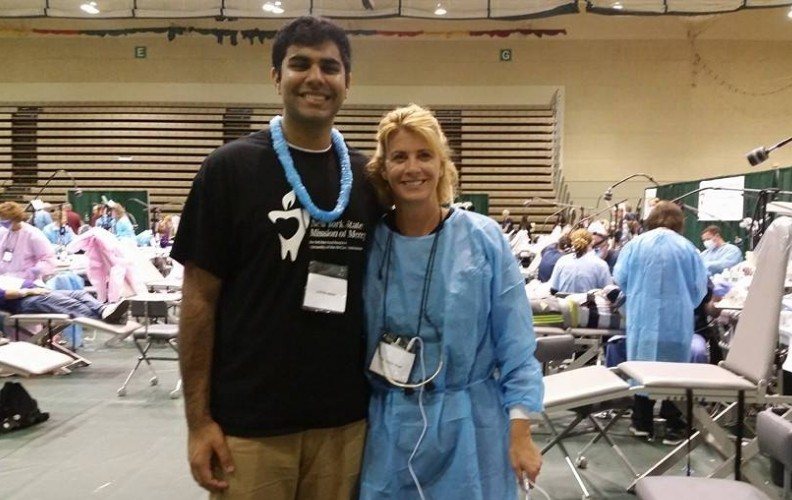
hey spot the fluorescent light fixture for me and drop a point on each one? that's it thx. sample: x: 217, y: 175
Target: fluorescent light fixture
x: 273, y: 7
x: 440, y: 10
x: 90, y: 8
x: 618, y: 5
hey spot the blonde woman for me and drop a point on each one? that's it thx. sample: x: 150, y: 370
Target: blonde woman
x: 443, y: 287
x: 582, y: 270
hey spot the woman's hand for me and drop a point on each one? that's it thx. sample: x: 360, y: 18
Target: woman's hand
x: 523, y: 453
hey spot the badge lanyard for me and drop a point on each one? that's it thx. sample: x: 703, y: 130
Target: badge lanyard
x: 8, y: 251
x: 426, y: 284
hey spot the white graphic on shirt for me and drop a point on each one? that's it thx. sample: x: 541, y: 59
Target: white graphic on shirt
x: 291, y: 246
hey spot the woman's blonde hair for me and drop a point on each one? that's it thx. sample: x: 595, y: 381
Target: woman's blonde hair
x: 13, y: 211
x: 421, y: 121
x: 581, y: 239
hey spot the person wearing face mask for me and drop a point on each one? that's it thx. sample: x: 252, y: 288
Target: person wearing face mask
x: 442, y: 285
x: 26, y: 252
x: 718, y: 255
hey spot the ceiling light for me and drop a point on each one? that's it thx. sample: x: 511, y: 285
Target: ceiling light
x: 789, y: 14
x: 618, y: 5
x: 440, y: 10
x: 90, y: 8
x: 273, y: 7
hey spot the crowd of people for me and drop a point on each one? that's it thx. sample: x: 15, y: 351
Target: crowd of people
x: 31, y: 259
x: 666, y: 282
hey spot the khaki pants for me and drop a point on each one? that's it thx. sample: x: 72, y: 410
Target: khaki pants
x: 317, y: 464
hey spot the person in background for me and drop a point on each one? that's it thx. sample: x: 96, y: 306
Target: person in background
x: 120, y: 225
x: 550, y: 255
x: 29, y: 299
x: 41, y: 218
x: 581, y: 270
x: 99, y: 216
x: 507, y: 224
x: 58, y: 232
x: 718, y: 255
x: 601, y: 244
x: 26, y: 252
x: 73, y: 219
x: 664, y: 279
x: 163, y: 237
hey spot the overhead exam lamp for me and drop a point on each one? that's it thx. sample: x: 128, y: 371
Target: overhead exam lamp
x: 760, y: 154
x: 608, y: 194
x: 77, y: 191
x: 592, y: 216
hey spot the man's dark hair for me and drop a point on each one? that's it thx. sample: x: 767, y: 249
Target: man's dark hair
x: 713, y: 230
x: 310, y: 31
x: 666, y: 214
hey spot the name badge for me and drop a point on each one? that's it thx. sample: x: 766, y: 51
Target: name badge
x: 326, y: 288
x: 7, y: 256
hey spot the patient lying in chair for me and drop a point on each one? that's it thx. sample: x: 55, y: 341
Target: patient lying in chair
x: 598, y: 309
x: 28, y: 299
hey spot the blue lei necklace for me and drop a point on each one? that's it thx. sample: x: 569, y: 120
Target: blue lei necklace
x: 285, y: 158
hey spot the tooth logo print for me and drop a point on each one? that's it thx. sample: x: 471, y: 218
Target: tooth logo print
x: 291, y: 246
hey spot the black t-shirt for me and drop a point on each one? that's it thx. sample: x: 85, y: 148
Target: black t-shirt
x: 278, y: 368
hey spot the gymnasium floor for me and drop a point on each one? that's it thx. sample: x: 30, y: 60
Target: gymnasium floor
x: 98, y: 445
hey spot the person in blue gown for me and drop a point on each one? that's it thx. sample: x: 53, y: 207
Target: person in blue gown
x: 582, y: 270
x: 58, y: 232
x: 718, y: 255
x: 664, y: 279
x: 447, y: 277
x: 120, y: 225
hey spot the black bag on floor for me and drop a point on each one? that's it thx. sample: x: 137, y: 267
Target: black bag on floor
x: 17, y: 409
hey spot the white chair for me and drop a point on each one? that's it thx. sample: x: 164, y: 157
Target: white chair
x: 26, y: 359
x: 154, y: 334
x: 583, y: 391
x: 775, y: 439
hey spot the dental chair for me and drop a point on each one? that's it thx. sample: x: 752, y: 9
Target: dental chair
x: 39, y: 330
x: 26, y: 359
x: 775, y: 439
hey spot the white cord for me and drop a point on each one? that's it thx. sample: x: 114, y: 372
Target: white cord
x: 532, y: 485
x: 425, y: 421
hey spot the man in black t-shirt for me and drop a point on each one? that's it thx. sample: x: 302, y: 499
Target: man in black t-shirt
x: 272, y: 238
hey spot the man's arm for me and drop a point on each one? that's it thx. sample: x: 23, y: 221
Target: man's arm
x: 207, y: 446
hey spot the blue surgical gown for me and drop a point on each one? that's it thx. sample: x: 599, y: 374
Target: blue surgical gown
x: 478, y: 317
x: 52, y: 232
x: 41, y: 218
x: 573, y: 274
x: 123, y: 229
x: 723, y: 257
x: 664, y: 280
